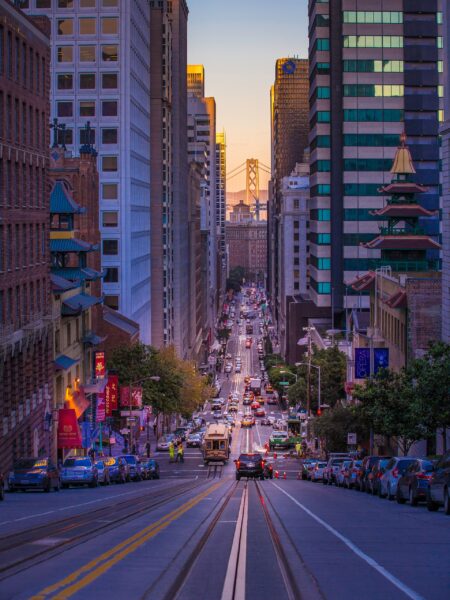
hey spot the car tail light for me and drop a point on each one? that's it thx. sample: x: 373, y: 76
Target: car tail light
x: 426, y: 476
x: 262, y: 463
x: 395, y: 472
x: 379, y: 474
x: 238, y: 464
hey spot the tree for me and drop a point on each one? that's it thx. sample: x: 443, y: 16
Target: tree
x: 235, y: 279
x: 334, y: 425
x: 333, y: 374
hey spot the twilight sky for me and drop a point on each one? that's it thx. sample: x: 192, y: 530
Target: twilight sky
x: 238, y: 41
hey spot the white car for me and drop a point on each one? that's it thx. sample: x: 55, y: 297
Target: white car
x: 316, y: 474
x: 237, y: 369
x: 228, y: 368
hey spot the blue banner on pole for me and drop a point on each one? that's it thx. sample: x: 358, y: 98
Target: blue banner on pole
x: 380, y: 359
x: 362, y: 363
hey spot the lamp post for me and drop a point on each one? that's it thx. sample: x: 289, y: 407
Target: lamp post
x: 298, y: 364
x: 131, y: 385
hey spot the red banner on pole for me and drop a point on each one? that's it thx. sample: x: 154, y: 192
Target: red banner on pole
x: 133, y: 398
x: 124, y: 396
x: 113, y: 384
x: 69, y: 434
x: 100, y: 365
x: 101, y: 408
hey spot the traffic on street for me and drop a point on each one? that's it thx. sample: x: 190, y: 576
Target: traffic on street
x: 225, y: 508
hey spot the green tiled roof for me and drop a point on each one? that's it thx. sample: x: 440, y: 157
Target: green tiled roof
x: 62, y: 203
x: 71, y: 245
x: 77, y: 273
x: 78, y: 303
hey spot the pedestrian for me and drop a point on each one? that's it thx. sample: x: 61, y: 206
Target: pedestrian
x: 171, y: 452
x: 298, y: 449
x: 154, y: 428
x: 180, y: 452
x: 92, y: 454
x: 147, y: 449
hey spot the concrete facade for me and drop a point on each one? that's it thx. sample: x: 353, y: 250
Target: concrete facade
x: 26, y: 318
x: 445, y: 155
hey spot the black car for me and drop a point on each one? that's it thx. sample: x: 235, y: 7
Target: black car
x: 413, y: 484
x: 150, y: 469
x: 373, y: 481
x: 250, y: 464
x: 438, y: 492
x: 34, y: 474
x: 365, y: 471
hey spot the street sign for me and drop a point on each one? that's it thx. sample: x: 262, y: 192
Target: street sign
x: 286, y: 383
x: 351, y: 439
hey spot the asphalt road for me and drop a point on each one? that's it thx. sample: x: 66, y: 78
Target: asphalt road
x: 198, y: 534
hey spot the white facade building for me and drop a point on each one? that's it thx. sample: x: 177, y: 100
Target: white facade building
x: 101, y: 75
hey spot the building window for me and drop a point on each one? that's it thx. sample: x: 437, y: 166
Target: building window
x: 85, y: 138
x: 86, y: 26
x: 369, y: 90
x: 110, y: 247
x: 109, y: 53
x: 110, y: 218
x: 112, y: 301
x: 109, y: 81
x: 43, y: 3
x: 373, y: 41
x: 367, y: 164
x: 64, y: 109
x: 110, y: 25
x: 65, y: 81
x: 110, y: 191
x: 323, y: 92
x: 65, y: 26
x: 87, y: 108
x: 65, y: 54
x: 109, y: 3
x: 109, y: 136
x: 373, y: 115
x: 109, y: 108
x: 112, y: 275
x: 65, y: 137
x: 377, y: 17
x: 373, y: 66
x: 87, y: 53
x: 322, y: 44
x: 87, y: 3
x: 65, y: 3
x: 87, y: 81
x: 109, y: 164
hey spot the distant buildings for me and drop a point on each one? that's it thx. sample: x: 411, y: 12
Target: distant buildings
x: 26, y: 317
x: 247, y: 243
x: 221, y: 194
x: 289, y: 139
x: 373, y: 73
x: 445, y: 132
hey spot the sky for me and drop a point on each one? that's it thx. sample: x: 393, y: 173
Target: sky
x: 238, y: 42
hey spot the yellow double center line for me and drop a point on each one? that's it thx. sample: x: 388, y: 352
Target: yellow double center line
x: 79, y: 579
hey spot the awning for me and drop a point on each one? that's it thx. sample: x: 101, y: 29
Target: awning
x: 63, y: 362
x: 78, y: 303
x: 71, y: 245
x: 92, y: 338
x: 363, y: 282
x: 77, y: 273
x: 95, y: 388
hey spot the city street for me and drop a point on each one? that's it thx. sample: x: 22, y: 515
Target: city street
x: 197, y: 533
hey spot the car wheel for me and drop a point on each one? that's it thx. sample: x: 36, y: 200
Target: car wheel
x: 324, y: 481
x: 431, y: 504
x: 381, y: 493
x: 11, y: 489
x: 93, y: 484
x: 399, y: 497
x: 412, y: 499
x: 447, y: 501
x: 64, y: 486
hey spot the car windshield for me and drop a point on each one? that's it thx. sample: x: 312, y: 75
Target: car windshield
x: 250, y: 457
x: 337, y: 461
x: 131, y: 460
x: 427, y: 466
x: 30, y: 463
x: 77, y: 462
x: 402, y: 465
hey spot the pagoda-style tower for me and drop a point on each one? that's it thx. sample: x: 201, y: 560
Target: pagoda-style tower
x: 403, y: 243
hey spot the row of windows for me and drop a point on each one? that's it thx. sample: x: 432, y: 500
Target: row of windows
x: 369, y: 16
x: 109, y: 53
x: 19, y: 304
x: 321, y: 287
x: 20, y: 62
x: 377, y: 140
x: 88, y: 26
x: 109, y: 135
x: 21, y: 123
x: 373, y: 115
x: 321, y: 44
x: 22, y: 185
x: 22, y: 246
x: 373, y: 41
x: 87, y: 81
x: 320, y: 263
x: 350, y: 189
x: 369, y: 90
x: 87, y: 108
x: 373, y: 66
x: 70, y: 4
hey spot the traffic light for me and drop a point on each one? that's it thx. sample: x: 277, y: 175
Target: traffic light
x: 319, y: 412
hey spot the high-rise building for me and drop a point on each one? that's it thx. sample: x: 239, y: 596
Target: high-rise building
x: 169, y: 168
x: 289, y: 139
x: 446, y: 183
x: 201, y: 148
x: 196, y: 80
x: 26, y: 321
x: 375, y: 72
x: 100, y: 91
x: 221, y: 194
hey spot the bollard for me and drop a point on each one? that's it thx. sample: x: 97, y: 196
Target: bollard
x: 284, y: 474
x: 276, y: 474
x: 275, y: 455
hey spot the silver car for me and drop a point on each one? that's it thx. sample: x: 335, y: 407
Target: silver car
x: 316, y: 473
x: 395, y: 468
x: 79, y: 470
x: 103, y: 472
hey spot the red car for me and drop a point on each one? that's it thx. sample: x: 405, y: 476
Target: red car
x: 260, y: 412
x: 255, y: 405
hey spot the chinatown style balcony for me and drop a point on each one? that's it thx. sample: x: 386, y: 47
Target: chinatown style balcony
x: 405, y: 266
x: 401, y: 231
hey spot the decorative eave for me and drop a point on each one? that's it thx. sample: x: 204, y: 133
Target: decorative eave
x: 403, y: 188
x: 402, y: 242
x: 60, y: 284
x: 62, y: 203
x: 397, y: 300
x: 71, y: 245
x: 364, y: 282
x: 78, y: 273
x: 75, y: 305
x: 403, y: 210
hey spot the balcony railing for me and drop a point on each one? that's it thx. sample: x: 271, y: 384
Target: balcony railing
x: 403, y: 266
x: 399, y: 231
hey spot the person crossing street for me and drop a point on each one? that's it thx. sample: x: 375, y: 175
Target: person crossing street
x: 171, y: 452
x: 180, y: 453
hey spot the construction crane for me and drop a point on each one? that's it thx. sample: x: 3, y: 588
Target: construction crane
x: 251, y: 168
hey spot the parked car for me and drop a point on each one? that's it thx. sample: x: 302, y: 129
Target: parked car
x: 352, y: 472
x: 2, y: 487
x: 135, y: 466
x: 438, y: 492
x: 316, y: 472
x: 333, y: 466
x: 103, y: 472
x: 395, y: 468
x: 377, y: 472
x: 342, y: 473
x: 118, y: 469
x: 79, y: 470
x: 34, y: 474
x: 413, y: 484
x: 181, y: 433
x: 150, y: 468
x: 194, y: 440
x: 249, y: 464
x: 366, y: 468
x: 305, y: 466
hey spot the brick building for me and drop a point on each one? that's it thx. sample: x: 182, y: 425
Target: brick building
x: 247, y: 245
x: 26, y: 368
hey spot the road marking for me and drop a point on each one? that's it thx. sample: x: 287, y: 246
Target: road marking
x: 235, y: 574
x: 365, y: 557
x: 79, y: 579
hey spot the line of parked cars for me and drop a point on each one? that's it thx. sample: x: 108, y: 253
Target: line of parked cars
x: 402, y: 478
x: 43, y: 474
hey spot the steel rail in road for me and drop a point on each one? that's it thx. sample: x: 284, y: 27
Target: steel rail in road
x: 20, y: 551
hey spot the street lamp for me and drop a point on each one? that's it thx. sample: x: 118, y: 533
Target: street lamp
x: 298, y: 364
x: 131, y: 386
